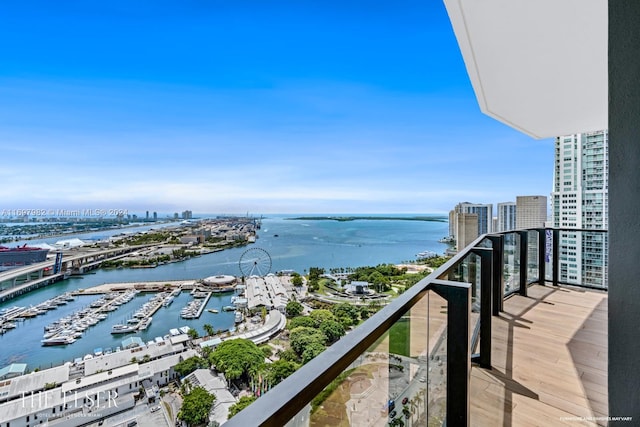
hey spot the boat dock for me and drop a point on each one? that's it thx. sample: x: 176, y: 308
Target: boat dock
x: 194, y: 309
x: 70, y: 328
x: 203, y: 305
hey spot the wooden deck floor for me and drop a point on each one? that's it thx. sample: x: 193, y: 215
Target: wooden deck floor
x: 549, y: 359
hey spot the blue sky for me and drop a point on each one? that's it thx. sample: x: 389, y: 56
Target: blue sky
x: 229, y: 107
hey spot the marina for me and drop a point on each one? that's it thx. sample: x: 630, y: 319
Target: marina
x: 68, y: 329
x: 301, y: 244
x: 194, y: 309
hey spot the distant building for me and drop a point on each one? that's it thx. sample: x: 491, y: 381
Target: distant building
x: 484, y: 212
x: 357, y: 288
x: 466, y: 229
x: 107, y: 387
x: 531, y: 211
x: 192, y: 238
x: 13, y: 370
x: 187, y: 215
x: 155, y: 216
x: 506, y: 217
x: 580, y: 200
x: 462, y: 228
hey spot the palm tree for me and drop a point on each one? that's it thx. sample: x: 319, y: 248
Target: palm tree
x: 185, y: 386
x: 208, y: 329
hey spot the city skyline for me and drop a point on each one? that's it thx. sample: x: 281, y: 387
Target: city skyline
x: 226, y: 108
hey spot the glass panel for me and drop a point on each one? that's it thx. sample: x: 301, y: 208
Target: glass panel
x: 595, y: 259
x: 400, y: 380
x: 569, y: 257
x: 532, y: 257
x: 485, y: 243
x: 511, y: 262
x: 548, y: 257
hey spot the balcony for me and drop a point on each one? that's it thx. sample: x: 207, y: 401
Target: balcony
x: 494, y: 337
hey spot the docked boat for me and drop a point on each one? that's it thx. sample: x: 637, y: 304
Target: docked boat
x: 8, y: 312
x: 229, y: 308
x: 145, y: 324
x: 426, y: 254
x: 238, y: 317
x: 122, y: 329
x: 97, y: 303
x: 59, y: 340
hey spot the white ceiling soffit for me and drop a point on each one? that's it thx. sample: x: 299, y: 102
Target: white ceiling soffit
x: 539, y: 66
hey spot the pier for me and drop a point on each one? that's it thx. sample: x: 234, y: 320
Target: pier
x: 203, y: 305
x: 190, y: 312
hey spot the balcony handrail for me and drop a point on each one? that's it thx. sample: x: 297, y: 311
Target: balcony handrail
x: 283, y: 402
x: 289, y: 397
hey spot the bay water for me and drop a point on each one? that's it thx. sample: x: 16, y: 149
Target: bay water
x: 292, y: 244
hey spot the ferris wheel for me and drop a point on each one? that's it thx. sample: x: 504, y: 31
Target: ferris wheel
x: 255, y: 262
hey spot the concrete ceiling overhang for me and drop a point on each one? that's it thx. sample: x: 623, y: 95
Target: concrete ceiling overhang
x: 539, y: 66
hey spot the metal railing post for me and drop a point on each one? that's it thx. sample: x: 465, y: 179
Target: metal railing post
x: 524, y: 250
x: 486, y: 279
x: 542, y: 246
x: 458, y: 296
x: 556, y: 256
x: 497, y: 243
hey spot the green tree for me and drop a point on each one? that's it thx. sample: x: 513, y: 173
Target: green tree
x: 209, y: 329
x: 193, y: 334
x: 296, y: 280
x: 242, y: 403
x: 294, y: 308
x: 302, y: 337
x: 289, y: 355
x: 311, y: 351
x: 332, y: 330
x: 301, y: 321
x: 279, y: 370
x: 267, y: 350
x: 345, y: 309
x: 313, y: 285
x: 315, y: 273
x: 236, y: 358
x: 189, y: 365
x: 320, y: 316
x: 196, y: 406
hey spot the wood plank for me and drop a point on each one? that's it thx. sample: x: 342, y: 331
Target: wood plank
x: 549, y: 354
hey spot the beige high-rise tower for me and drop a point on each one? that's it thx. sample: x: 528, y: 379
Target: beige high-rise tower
x: 531, y: 211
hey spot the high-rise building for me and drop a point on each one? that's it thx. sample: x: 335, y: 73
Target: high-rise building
x: 580, y: 200
x: 506, y: 217
x: 466, y: 229
x: 461, y: 219
x: 484, y: 212
x: 531, y: 211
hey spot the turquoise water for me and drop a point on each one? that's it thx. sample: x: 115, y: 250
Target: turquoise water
x: 299, y: 244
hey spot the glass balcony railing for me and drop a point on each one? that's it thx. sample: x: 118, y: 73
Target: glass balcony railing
x: 410, y: 364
